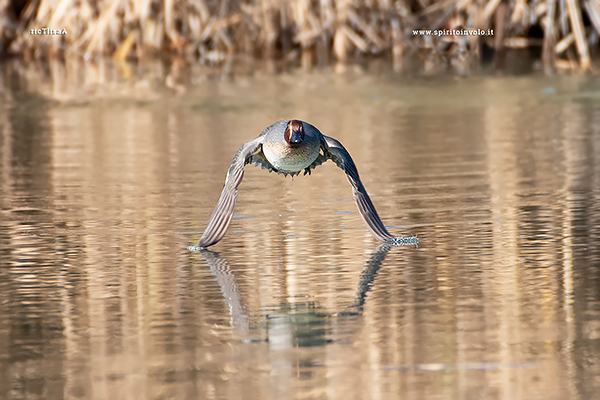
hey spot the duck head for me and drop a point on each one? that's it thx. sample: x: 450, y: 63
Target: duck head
x: 294, y: 133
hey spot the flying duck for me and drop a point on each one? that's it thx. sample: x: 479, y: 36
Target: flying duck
x: 288, y: 148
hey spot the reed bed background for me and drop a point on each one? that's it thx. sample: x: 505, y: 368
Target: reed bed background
x: 563, y: 34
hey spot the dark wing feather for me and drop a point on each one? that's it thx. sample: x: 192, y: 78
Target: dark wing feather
x: 223, y: 212
x: 341, y: 157
x: 321, y: 158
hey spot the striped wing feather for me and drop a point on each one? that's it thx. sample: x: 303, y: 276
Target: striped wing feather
x: 341, y: 157
x: 223, y: 212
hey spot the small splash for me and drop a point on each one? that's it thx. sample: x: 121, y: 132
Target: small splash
x: 195, y: 248
x: 405, y: 241
x: 549, y: 90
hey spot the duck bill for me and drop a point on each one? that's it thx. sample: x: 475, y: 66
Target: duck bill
x: 295, y: 138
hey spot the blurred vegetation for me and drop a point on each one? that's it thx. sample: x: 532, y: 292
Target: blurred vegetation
x: 561, y: 34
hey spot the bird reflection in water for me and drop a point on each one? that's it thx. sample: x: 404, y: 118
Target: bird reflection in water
x: 306, y: 320
x: 220, y: 269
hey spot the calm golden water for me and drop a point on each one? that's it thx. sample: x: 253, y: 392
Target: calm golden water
x: 101, y: 196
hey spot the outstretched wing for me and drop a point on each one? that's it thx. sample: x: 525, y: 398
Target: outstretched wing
x: 339, y: 155
x: 223, y: 212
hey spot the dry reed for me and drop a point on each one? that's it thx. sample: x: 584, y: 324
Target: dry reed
x: 306, y: 32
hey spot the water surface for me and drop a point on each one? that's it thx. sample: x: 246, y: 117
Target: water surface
x: 100, y: 197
